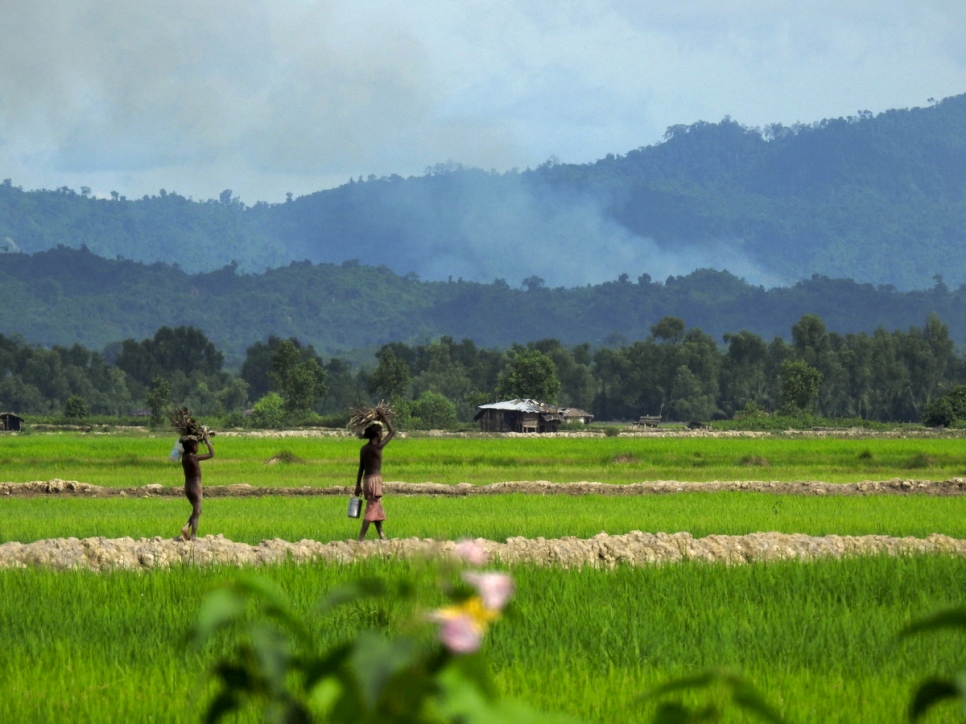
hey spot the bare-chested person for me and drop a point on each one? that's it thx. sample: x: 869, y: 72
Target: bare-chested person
x: 369, y: 478
x: 190, y: 461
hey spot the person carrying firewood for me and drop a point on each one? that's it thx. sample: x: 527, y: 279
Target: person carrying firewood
x: 369, y: 477
x: 191, y: 463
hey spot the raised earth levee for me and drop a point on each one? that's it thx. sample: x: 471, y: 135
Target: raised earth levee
x: 896, y: 486
x: 633, y: 549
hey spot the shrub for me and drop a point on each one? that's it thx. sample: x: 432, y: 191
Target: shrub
x: 432, y: 411
x: 268, y: 412
x: 76, y: 408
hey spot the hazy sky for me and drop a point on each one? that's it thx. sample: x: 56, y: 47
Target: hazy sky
x: 271, y: 96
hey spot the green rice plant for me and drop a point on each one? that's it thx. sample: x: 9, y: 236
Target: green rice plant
x: 135, y: 460
x: 323, y: 518
x: 920, y: 461
x: 818, y: 639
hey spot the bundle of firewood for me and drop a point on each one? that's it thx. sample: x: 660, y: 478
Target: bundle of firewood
x: 362, y: 417
x: 187, y: 427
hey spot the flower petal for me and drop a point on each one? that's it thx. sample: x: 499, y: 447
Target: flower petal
x: 461, y: 634
x: 494, y: 588
x: 471, y: 552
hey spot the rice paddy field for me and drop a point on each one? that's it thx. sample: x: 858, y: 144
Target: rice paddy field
x: 818, y: 639
x: 135, y: 460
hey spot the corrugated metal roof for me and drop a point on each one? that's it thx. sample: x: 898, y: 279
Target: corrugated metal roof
x: 519, y: 405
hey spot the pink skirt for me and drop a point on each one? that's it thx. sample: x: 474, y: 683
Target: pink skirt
x: 372, y: 490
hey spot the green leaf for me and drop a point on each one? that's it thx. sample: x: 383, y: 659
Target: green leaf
x: 376, y: 660
x: 331, y: 664
x: 271, y: 651
x: 364, y: 588
x: 225, y: 703
x: 674, y: 712
x: 930, y: 693
x: 950, y: 618
x: 220, y: 608
x: 743, y: 694
x: 234, y: 676
x: 695, y: 681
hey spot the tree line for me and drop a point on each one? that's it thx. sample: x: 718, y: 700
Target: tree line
x: 680, y: 373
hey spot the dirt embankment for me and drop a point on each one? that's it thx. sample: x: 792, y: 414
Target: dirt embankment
x: 635, y: 549
x: 897, y: 486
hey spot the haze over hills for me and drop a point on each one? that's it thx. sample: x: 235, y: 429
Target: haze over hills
x: 878, y: 199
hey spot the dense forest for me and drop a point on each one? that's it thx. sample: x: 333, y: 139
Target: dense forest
x: 876, y: 198
x: 66, y: 296
x: 677, y: 372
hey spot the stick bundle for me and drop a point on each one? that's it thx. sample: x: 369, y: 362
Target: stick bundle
x: 187, y: 427
x: 362, y: 417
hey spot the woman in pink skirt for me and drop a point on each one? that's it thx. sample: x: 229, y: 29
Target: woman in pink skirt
x: 369, y: 477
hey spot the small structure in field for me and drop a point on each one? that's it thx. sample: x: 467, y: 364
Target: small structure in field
x: 649, y: 421
x: 10, y: 421
x: 575, y: 414
x: 518, y: 416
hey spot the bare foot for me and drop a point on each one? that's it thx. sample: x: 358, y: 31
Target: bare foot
x: 382, y: 536
x: 186, y: 533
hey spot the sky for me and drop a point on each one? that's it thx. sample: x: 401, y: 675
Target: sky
x: 268, y: 97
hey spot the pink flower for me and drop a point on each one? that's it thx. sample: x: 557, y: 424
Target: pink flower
x: 461, y: 634
x: 494, y: 588
x: 471, y: 552
x: 463, y: 624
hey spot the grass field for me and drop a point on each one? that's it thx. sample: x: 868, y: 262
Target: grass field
x: 494, y: 517
x: 134, y: 460
x: 817, y: 638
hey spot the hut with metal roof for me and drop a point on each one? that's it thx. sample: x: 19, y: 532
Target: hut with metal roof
x: 518, y: 416
x: 10, y: 421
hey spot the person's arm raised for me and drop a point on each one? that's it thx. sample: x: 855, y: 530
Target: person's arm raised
x: 211, y: 451
x: 392, y: 431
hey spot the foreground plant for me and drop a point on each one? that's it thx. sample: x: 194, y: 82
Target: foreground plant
x: 743, y: 695
x: 935, y: 690
x: 413, y: 677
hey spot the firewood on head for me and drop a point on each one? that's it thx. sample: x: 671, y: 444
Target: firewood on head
x: 188, y: 428
x: 362, y: 417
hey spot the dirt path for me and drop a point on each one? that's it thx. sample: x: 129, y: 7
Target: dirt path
x: 897, y: 486
x: 635, y: 549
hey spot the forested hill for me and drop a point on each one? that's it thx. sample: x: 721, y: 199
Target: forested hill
x: 67, y: 296
x: 875, y: 198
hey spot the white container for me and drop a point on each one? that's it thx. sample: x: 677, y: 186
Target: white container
x: 176, y: 452
x: 355, y: 507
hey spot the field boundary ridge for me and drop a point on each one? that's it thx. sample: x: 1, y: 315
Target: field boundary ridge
x: 895, y: 486
x: 603, y: 550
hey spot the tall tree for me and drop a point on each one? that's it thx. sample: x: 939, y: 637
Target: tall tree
x: 300, y: 381
x: 529, y: 374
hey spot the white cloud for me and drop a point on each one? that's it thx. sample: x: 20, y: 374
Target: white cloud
x: 270, y: 96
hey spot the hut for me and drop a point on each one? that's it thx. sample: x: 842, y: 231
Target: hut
x: 518, y: 416
x: 10, y: 421
x: 575, y: 414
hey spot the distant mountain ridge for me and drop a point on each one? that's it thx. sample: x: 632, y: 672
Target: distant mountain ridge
x: 65, y: 296
x: 877, y: 198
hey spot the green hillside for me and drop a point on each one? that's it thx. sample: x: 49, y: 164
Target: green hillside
x: 876, y: 198
x: 67, y: 296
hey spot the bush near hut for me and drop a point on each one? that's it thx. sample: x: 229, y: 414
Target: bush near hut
x: 76, y: 408
x: 946, y: 410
